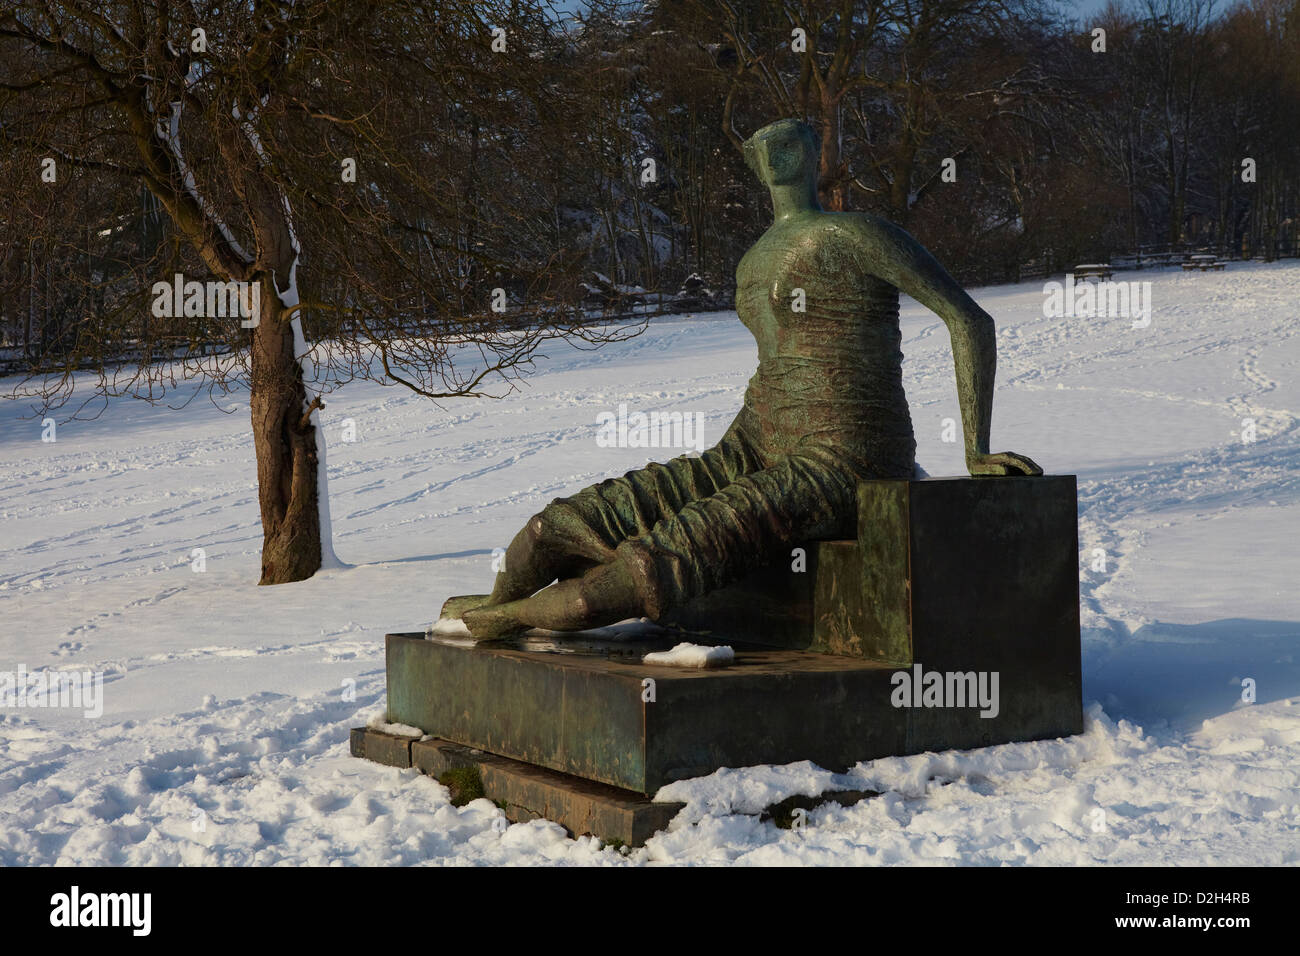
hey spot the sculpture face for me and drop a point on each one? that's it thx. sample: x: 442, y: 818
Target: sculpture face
x: 783, y: 153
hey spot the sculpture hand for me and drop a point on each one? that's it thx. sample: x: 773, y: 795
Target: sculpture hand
x: 1001, y: 463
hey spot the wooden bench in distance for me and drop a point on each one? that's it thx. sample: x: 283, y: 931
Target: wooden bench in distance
x: 1093, y: 270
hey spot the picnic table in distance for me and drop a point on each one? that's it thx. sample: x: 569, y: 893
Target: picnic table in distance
x: 1202, y: 262
x: 1093, y: 270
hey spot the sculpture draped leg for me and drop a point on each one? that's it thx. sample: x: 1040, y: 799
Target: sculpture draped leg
x: 575, y: 539
x: 655, y: 538
x: 718, y: 539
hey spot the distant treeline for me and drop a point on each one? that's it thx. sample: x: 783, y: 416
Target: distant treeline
x: 1000, y: 132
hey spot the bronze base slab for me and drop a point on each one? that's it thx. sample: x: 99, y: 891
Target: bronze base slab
x: 523, y: 791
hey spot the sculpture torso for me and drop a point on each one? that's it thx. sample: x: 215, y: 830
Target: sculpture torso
x: 830, y: 376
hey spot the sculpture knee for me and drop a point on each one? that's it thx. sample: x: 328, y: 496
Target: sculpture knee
x: 547, y: 532
x: 547, y: 548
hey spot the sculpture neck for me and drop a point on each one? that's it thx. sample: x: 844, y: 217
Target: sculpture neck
x: 792, y: 200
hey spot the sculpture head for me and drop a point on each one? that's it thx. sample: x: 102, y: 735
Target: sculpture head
x: 783, y: 153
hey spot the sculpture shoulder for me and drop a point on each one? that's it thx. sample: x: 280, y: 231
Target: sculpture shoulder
x: 871, y: 231
x: 845, y: 243
x: 835, y: 232
x: 867, y: 244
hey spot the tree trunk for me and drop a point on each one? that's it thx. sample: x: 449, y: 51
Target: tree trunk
x: 830, y: 175
x: 285, y: 443
x: 900, y: 190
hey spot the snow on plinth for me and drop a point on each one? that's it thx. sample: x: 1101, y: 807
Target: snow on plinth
x: 449, y: 627
x: 397, y: 730
x: 692, y: 655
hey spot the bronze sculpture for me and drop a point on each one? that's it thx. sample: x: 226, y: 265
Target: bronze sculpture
x: 819, y: 291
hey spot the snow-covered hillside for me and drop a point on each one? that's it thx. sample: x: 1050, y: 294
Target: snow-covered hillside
x: 223, y: 737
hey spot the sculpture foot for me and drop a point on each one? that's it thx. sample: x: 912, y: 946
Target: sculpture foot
x: 490, y: 623
x: 456, y: 607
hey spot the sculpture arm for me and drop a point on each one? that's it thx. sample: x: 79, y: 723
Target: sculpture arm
x: 893, y: 255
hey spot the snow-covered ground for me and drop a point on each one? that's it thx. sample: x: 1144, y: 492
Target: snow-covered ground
x: 226, y: 707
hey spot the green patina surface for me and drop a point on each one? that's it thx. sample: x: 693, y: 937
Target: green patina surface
x: 585, y: 715
x: 954, y: 575
x: 825, y: 410
x: 958, y: 575
x: 524, y: 705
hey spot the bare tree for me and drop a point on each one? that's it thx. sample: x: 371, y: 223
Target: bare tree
x: 1177, y: 53
x: 801, y: 56
x: 363, y: 173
